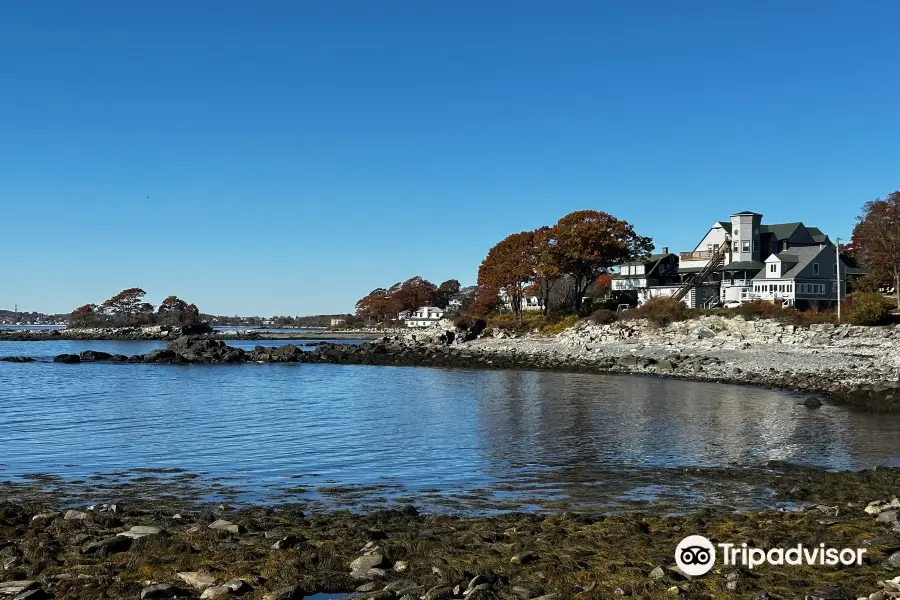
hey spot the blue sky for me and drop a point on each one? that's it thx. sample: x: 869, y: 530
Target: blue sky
x: 288, y: 157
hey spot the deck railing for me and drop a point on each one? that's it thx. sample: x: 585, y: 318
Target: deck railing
x: 699, y: 255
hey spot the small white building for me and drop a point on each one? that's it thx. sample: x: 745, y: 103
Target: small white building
x: 337, y: 321
x: 426, y: 316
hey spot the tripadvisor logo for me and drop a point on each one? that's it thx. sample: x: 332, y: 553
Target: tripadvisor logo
x: 695, y: 555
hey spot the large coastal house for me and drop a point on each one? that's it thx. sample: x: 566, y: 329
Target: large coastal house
x: 740, y: 260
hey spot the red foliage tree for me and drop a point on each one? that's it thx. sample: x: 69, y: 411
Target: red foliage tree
x: 509, y: 267
x: 876, y: 239
x: 586, y: 243
x: 414, y: 293
x: 377, y: 305
x: 125, y: 303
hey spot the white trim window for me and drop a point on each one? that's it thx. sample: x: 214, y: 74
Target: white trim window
x: 746, y: 246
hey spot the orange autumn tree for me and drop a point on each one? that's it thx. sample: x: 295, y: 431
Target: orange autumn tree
x: 510, y: 267
x: 587, y: 243
x: 876, y: 239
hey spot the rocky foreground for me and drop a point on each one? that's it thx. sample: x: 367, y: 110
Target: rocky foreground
x: 857, y: 366
x: 164, y: 549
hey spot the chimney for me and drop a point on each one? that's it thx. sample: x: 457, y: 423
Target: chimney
x: 665, y: 250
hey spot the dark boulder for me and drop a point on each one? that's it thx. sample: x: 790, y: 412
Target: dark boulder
x: 162, y: 356
x: 197, y: 329
x: 94, y: 355
x: 16, y: 359
x: 67, y: 358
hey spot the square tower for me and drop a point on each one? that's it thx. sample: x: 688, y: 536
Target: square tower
x: 745, y: 243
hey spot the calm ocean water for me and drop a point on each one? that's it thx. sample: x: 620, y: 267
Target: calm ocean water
x: 480, y: 438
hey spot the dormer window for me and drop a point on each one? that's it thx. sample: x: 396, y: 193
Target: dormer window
x: 773, y: 268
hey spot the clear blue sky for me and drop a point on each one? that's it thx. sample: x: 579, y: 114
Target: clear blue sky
x: 288, y: 157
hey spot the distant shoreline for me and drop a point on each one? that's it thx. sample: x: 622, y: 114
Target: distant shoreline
x: 148, y: 334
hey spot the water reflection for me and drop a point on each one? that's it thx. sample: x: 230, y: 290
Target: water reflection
x: 528, y: 437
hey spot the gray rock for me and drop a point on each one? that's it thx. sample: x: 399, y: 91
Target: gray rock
x: 888, y: 517
x: 812, y: 402
x: 216, y: 591
x: 372, y: 586
x: 657, y: 573
x: 228, y: 526
x: 196, y: 579
x: 75, y: 515
x: 366, y: 562
x: 894, y: 560
x: 139, y: 531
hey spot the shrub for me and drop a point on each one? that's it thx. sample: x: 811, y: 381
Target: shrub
x: 552, y: 326
x: 661, y: 311
x: 760, y: 309
x: 603, y: 316
x: 870, y: 309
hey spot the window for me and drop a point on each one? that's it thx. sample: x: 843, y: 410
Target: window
x: 815, y: 268
x: 773, y: 268
x: 746, y: 245
x: 709, y: 247
x: 756, y: 245
x: 736, y: 246
x: 802, y: 288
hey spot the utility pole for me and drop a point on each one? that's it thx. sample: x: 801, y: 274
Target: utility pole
x: 837, y: 270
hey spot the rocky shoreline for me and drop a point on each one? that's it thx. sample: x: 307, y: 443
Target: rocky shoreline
x: 167, y: 548
x: 854, y: 366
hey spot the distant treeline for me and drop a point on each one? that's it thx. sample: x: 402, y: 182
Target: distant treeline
x: 8, y: 317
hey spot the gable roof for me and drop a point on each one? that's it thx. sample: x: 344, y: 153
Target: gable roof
x: 781, y: 231
x: 799, y: 256
x: 746, y: 212
x: 726, y: 225
x: 817, y: 235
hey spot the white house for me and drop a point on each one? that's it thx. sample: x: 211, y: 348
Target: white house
x: 733, y: 262
x: 527, y: 302
x: 427, y: 316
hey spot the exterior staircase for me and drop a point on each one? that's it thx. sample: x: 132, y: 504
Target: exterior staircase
x: 717, y: 259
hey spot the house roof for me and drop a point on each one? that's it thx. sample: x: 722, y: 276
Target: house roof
x: 817, y: 235
x: 746, y: 212
x: 743, y: 265
x: 799, y: 256
x: 688, y: 270
x: 726, y: 225
x: 857, y: 271
x: 781, y: 231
